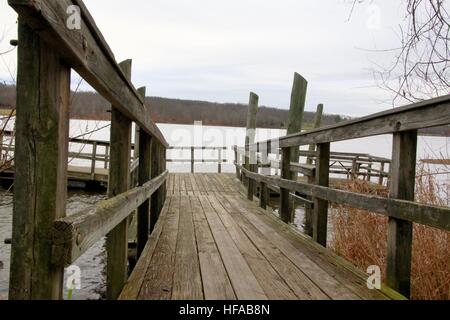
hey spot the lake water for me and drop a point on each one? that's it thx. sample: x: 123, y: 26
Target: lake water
x: 92, y: 263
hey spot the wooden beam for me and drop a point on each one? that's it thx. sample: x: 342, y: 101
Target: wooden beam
x: 403, y: 178
x: 87, y: 52
x: 42, y: 130
x: 317, y: 124
x: 320, y: 216
x: 74, y: 235
x: 155, y: 171
x: 119, y: 177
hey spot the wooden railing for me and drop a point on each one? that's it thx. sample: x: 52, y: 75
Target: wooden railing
x: 400, y: 207
x: 44, y: 240
x: 220, y: 157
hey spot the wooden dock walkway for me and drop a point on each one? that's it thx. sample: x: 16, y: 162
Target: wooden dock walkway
x: 212, y: 243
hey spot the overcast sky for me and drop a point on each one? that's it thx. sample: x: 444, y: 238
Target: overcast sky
x: 221, y: 50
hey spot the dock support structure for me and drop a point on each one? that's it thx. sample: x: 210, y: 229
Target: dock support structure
x: 42, y: 130
x: 250, y: 155
x: 400, y: 232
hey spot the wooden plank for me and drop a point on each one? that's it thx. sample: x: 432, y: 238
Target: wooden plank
x: 403, y: 178
x: 328, y: 284
x: 216, y: 284
x: 88, y: 53
x: 187, y: 282
x: 338, y: 267
x: 133, y: 286
x: 271, y: 282
x: 242, y: 278
x: 119, y: 182
x: 43, y: 92
x: 300, y: 284
x: 158, y: 280
x: 320, y: 217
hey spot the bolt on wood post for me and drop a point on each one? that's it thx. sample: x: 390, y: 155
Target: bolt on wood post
x: 285, y: 201
x: 320, y: 217
x: 400, y: 232
x: 40, y: 185
x: 143, y: 214
x: 119, y: 182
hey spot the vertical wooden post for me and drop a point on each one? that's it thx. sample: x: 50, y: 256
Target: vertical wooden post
x: 94, y: 160
x: 250, y: 139
x: 355, y: 169
x: 143, y: 215
x: 400, y: 232
x: 40, y: 186
x: 381, y: 179
x: 155, y: 170
x: 369, y: 169
x: 219, y: 168
x: 106, y: 157
x: 308, y: 220
x: 192, y: 159
x: 236, y: 157
x: 320, y: 217
x: 285, y: 205
x: 263, y: 195
x: 295, y: 121
x: 317, y: 124
x: 119, y: 177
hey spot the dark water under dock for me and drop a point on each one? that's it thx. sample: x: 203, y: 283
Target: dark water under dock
x: 93, y: 283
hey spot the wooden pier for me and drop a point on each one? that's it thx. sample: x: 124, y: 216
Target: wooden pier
x: 198, y: 236
x: 212, y: 243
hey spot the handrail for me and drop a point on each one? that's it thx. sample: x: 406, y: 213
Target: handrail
x: 429, y: 215
x: 75, y: 234
x: 425, y: 114
x: 102, y: 73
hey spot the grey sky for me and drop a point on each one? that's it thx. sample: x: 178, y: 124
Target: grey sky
x: 220, y: 50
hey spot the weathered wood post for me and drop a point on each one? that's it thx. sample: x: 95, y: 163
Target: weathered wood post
x: 94, y: 160
x: 119, y: 177
x: 42, y: 130
x: 143, y: 225
x: 320, y: 217
x: 237, y: 162
x: 400, y: 232
x: 286, y: 173
x: 192, y: 159
x: 250, y: 140
x: 219, y: 168
x: 317, y: 124
x: 155, y: 171
x: 106, y: 157
x: 295, y: 120
x: 381, y: 178
x: 308, y: 221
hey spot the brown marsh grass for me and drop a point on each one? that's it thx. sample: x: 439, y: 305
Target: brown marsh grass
x: 361, y: 237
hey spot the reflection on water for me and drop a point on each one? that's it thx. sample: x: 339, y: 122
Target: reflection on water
x: 92, y: 263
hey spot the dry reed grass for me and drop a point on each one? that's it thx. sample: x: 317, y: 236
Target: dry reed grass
x: 361, y: 237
